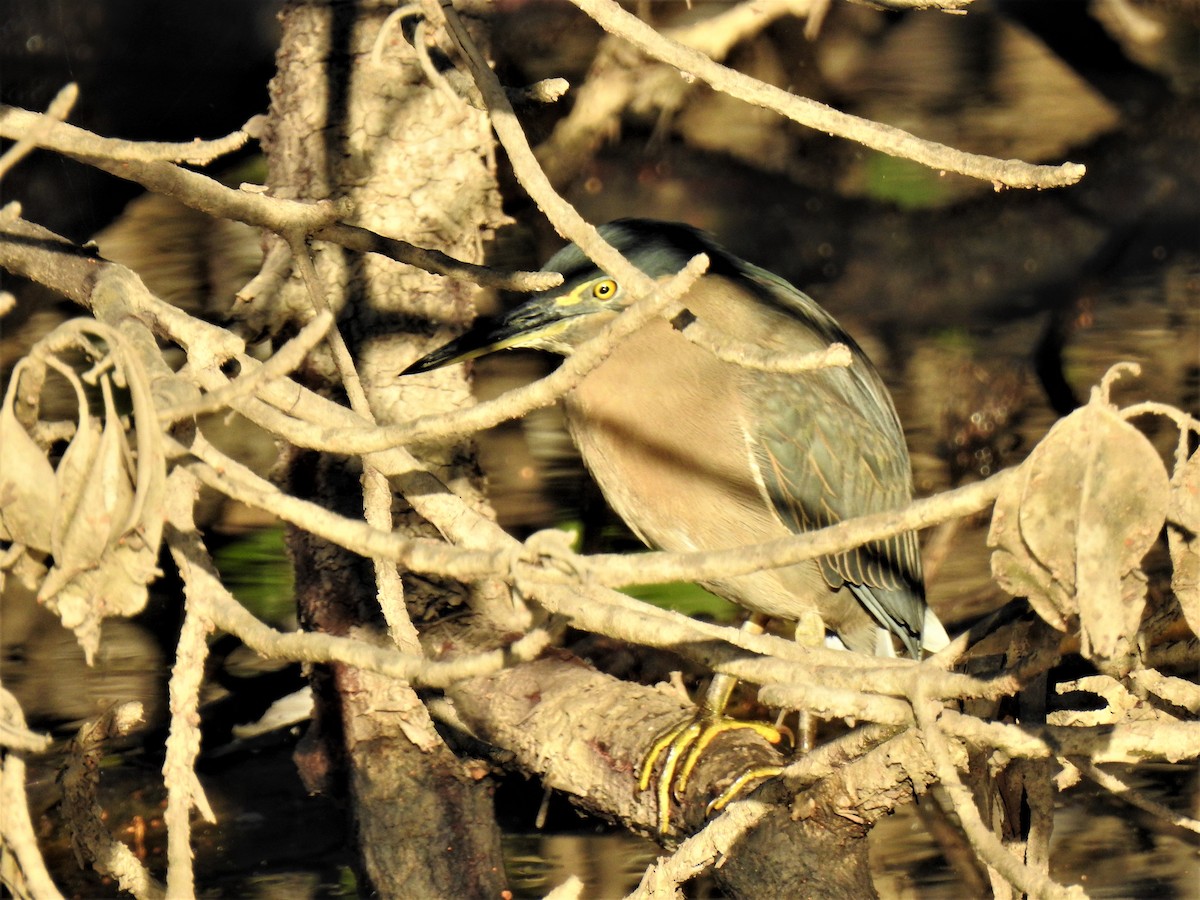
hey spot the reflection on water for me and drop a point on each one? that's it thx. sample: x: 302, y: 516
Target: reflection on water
x: 43, y: 665
x: 1113, y: 850
x: 1097, y: 842
x: 609, y: 865
x: 276, y: 843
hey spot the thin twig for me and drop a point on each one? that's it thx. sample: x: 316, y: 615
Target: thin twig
x: 417, y: 554
x: 1130, y: 741
x: 752, y: 356
x: 618, y: 75
x: 229, y: 615
x: 949, y: 6
x: 884, y: 138
x: 284, y: 360
x: 986, y: 844
x: 662, y: 567
x: 562, y: 215
x: 377, y: 492
x: 607, y: 569
x: 58, y: 110
x: 200, y: 192
x: 16, y: 831
x: 16, y: 826
x: 836, y: 703
x: 184, y: 791
x: 701, y: 851
x: 541, y: 393
x: 717, y: 35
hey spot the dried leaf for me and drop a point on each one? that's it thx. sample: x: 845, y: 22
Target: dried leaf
x: 117, y: 587
x: 26, y: 481
x: 1183, y: 539
x: 101, y: 507
x: 77, y: 464
x: 1016, y: 569
x: 1072, y: 531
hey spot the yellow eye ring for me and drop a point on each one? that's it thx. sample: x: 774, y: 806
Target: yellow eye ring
x: 604, y: 289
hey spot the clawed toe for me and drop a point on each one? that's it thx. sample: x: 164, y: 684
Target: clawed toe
x: 687, y: 741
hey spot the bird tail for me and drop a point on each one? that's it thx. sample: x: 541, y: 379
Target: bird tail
x: 933, y: 634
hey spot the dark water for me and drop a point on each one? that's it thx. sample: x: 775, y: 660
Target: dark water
x: 986, y: 312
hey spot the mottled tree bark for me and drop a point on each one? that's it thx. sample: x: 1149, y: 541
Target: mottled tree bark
x: 586, y: 733
x: 411, y: 161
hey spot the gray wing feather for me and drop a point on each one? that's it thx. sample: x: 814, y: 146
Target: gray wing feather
x: 830, y: 448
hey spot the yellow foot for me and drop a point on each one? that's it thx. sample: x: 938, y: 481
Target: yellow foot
x: 739, y: 784
x: 688, y: 741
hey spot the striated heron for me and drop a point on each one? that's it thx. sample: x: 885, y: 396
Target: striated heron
x: 696, y: 453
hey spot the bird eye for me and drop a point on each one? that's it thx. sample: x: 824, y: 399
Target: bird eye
x: 604, y: 290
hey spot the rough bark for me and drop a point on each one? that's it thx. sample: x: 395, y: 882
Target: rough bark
x: 546, y: 714
x: 409, y: 161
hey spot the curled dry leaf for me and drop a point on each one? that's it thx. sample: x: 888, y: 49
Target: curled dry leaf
x: 71, y: 478
x: 1183, y: 538
x: 92, y: 510
x: 100, y: 514
x: 26, y: 480
x: 1070, y: 533
x: 102, y: 564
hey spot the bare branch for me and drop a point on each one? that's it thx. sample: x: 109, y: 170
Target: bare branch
x: 283, y: 361
x: 561, y: 214
x: 418, y: 554
x: 13, y: 733
x: 1127, y: 742
x: 16, y: 827
x: 949, y: 6
x: 877, y: 136
x: 184, y: 792
x: 58, y: 110
x: 513, y: 404
x: 661, y: 567
x: 720, y: 33
x: 986, y: 844
x: 80, y: 780
x: 275, y: 214
x: 751, y: 356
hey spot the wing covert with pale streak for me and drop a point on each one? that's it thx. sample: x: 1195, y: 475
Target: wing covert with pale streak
x: 830, y: 448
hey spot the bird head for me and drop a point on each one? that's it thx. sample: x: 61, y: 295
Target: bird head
x: 560, y: 319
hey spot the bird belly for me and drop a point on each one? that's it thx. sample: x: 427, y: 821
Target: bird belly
x: 657, y: 425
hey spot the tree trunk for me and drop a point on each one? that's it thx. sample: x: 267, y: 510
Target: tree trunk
x: 410, y: 161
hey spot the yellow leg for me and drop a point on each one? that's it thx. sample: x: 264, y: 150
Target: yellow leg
x: 810, y: 632
x: 688, y: 740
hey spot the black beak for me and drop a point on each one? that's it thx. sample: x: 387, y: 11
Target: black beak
x: 525, y: 326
